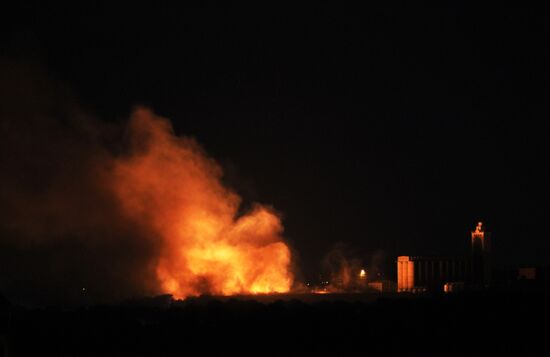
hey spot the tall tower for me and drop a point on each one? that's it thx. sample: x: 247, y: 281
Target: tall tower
x: 481, y: 255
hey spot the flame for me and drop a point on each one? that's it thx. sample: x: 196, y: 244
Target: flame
x: 479, y: 227
x: 169, y: 184
x: 363, y: 274
x: 320, y: 291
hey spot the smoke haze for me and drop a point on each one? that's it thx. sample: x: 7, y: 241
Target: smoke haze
x: 96, y: 211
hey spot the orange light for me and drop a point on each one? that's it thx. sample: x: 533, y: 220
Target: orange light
x: 204, y: 247
x: 320, y: 291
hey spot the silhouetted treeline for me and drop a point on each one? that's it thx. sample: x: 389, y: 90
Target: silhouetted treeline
x: 466, y: 324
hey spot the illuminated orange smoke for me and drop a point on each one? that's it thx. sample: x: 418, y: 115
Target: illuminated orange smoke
x: 169, y: 183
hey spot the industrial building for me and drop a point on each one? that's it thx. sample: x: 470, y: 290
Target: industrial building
x: 424, y: 273
x: 416, y: 274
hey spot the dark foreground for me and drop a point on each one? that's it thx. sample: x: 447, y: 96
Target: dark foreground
x: 468, y: 324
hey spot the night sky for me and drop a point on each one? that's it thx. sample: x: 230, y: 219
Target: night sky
x: 384, y: 131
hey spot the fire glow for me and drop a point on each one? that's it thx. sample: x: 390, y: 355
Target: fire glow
x: 205, y: 247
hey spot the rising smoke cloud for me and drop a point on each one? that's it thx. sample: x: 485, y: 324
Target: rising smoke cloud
x: 91, y: 211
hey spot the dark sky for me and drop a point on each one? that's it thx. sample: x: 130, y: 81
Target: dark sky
x: 392, y: 131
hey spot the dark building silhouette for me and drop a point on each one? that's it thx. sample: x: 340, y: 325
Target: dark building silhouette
x: 424, y: 273
x: 417, y: 274
x: 481, y: 258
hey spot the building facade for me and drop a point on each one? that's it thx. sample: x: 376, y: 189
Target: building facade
x: 418, y: 274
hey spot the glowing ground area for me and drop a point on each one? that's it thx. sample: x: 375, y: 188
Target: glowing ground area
x: 305, y: 297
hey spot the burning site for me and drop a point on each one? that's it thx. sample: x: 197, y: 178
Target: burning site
x: 265, y: 180
x: 160, y: 191
x: 205, y: 246
x: 133, y: 209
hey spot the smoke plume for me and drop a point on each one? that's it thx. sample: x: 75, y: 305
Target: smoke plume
x: 342, y: 270
x: 96, y: 211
